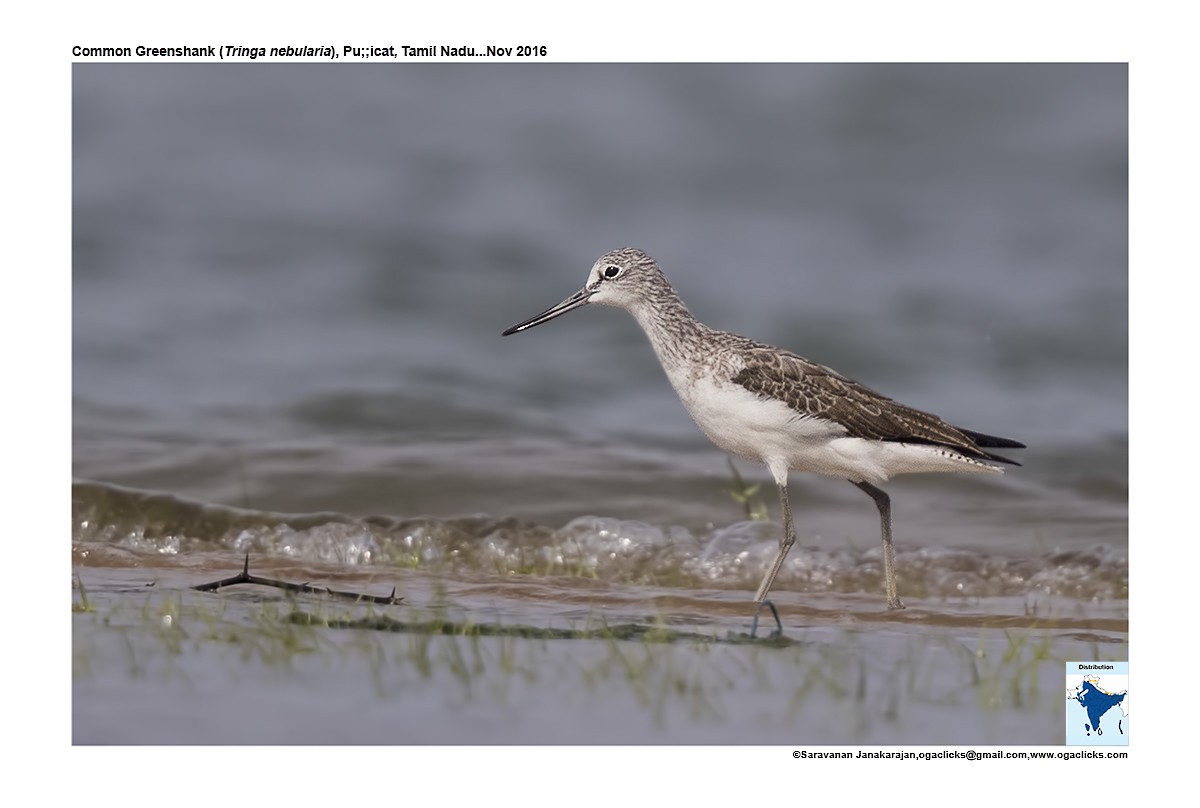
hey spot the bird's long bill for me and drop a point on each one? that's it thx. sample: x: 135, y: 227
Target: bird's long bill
x: 576, y: 300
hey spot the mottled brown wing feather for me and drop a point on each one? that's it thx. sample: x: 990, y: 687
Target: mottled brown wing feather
x: 818, y: 391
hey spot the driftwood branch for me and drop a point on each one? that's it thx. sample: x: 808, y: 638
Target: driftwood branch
x: 244, y: 577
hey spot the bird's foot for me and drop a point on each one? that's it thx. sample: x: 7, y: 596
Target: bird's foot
x: 778, y: 632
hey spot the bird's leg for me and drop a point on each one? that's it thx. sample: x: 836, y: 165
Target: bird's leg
x: 884, y: 503
x: 778, y: 632
x: 789, y: 538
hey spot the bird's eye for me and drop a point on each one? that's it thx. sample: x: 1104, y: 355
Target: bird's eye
x: 612, y: 271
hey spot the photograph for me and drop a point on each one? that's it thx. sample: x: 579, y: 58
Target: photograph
x: 546, y: 403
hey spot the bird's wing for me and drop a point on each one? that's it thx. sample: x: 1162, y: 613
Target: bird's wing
x: 817, y: 391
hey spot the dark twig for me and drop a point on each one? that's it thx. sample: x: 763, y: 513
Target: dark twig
x: 244, y: 577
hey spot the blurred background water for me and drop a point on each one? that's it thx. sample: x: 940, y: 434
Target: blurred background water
x: 290, y: 280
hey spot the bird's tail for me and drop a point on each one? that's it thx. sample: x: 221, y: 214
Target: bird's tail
x: 993, y: 442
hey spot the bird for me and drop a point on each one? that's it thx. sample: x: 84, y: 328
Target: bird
x: 774, y: 407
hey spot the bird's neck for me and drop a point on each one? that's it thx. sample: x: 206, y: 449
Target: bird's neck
x: 673, y: 332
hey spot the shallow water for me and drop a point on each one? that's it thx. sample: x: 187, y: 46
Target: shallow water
x: 289, y: 283
x: 602, y: 631
x: 552, y: 659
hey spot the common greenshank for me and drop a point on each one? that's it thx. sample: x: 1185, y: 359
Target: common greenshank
x: 773, y: 407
